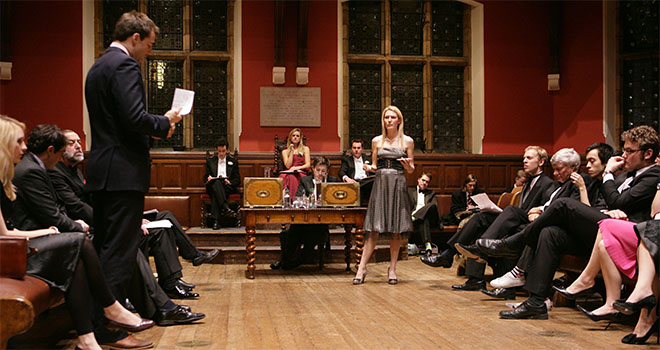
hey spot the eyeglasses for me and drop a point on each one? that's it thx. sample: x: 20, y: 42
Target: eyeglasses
x: 630, y: 151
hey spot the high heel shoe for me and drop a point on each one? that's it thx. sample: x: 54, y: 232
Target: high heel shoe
x: 627, y: 308
x: 614, y: 316
x: 633, y: 339
x: 360, y: 280
x: 572, y: 296
x: 391, y: 280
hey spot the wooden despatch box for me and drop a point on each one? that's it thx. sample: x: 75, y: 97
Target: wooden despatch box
x: 340, y: 194
x: 262, y: 192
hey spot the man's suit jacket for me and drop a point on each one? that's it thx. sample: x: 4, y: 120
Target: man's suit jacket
x: 306, y: 186
x: 636, y: 201
x: 348, y: 166
x: 232, y: 170
x: 430, y: 202
x: 37, y: 206
x: 69, y: 186
x: 121, y: 127
x: 459, y: 201
x: 536, y: 195
x: 566, y: 189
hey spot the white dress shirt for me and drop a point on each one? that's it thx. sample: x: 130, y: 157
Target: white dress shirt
x: 222, y: 167
x: 359, y: 169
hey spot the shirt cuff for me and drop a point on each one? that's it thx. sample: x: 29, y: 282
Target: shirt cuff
x: 608, y: 177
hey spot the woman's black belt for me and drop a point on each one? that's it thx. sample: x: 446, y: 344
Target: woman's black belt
x: 390, y: 164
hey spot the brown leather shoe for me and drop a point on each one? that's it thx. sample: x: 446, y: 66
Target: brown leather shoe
x: 144, y: 324
x: 129, y: 342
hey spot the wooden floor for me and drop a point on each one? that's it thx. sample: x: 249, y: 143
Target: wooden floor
x: 310, y: 309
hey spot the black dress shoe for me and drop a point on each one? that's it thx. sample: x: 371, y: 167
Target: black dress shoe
x: 216, y: 225
x: 178, y: 292
x: 572, y: 296
x: 469, y: 251
x: 129, y: 306
x: 470, y: 285
x: 276, y: 265
x: 444, y: 259
x: 184, y: 284
x: 630, y: 308
x: 205, y: 257
x: 526, y: 311
x: 178, y: 315
x: 501, y: 293
x: 497, y: 248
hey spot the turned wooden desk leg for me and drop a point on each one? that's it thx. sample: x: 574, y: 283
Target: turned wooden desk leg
x: 251, y: 253
x: 359, y: 245
x: 348, y: 243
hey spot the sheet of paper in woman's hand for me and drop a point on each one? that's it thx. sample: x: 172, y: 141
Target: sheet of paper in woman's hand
x: 184, y: 99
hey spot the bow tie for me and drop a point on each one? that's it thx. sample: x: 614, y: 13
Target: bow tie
x: 631, y: 174
x: 421, y: 191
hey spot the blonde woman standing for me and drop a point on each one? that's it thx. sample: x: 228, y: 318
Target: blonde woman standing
x: 388, y: 213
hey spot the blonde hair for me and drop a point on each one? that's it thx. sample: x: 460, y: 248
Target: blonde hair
x: 301, y: 145
x: 399, y: 134
x: 9, y: 128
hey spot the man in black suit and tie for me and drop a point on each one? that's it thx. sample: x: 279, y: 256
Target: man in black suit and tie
x: 532, y: 196
x: 424, y: 204
x: 355, y: 168
x: 569, y: 226
x: 309, y: 235
x: 37, y: 205
x: 222, y: 178
x: 119, y: 165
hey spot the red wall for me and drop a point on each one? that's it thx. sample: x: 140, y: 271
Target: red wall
x: 578, y: 106
x: 518, y: 107
x: 46, y: 84
x: 257, y: 52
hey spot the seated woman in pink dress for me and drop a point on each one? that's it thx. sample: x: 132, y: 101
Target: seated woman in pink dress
x: 614, y: 253
x: 296, y: 160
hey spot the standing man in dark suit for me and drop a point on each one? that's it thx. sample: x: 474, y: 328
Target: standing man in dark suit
x: 531, y: 196
x: 222, y: 179
x: 355, y: 168
x: 119, y: 165
x: 424, y: 204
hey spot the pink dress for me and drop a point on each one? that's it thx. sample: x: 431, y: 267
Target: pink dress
x: 621, y: 242
x: 291, y: 181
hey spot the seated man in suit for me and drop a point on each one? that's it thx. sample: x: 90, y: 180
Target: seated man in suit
x: 519, y: 181
x: 531, y: 196
x: 513, y: 219
x: 41, y: 199
x: 462, y: 204
x: 222, y: 178
x: 355, y: 168
x: 309, y: 235
x: 570, y: 227
x: 424, y: 204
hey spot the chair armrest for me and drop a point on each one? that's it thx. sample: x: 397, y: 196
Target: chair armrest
x: 13, y: 256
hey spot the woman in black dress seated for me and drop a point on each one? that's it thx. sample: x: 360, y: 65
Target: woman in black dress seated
x: 65, y: 261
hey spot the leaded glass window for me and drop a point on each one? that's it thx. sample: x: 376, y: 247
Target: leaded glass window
x: 411, y: 54
x: 192, y: 52
x: 639, y: 55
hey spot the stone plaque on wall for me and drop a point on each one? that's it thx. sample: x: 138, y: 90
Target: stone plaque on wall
x: 290, y: 106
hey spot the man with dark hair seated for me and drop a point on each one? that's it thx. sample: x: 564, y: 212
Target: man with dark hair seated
x: 424, y: 204
x: 222, y: 178
x: 355, y: 168
x: 38, y: 206
x: 309, y: 235
x: 569, y: 226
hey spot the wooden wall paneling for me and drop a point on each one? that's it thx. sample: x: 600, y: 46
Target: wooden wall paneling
x: 195, y: 176
x: 171, y: 176
x: 478, y: 170
x: 496, y: 178
x: 153, y: 179
x: 454, y: 175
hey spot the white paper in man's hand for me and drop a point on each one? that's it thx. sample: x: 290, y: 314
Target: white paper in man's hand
x: 184, y: 99
x: 485, y: 204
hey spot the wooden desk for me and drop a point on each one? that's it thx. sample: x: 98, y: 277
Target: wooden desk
x: 349, y: 217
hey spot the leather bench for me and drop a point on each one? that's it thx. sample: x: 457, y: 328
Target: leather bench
x: 22, y: 297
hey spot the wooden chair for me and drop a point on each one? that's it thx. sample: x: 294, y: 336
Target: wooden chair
x: 507, y: 199
x: 234, y: 200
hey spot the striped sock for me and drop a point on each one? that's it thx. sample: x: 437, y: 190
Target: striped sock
x: 517, y: 272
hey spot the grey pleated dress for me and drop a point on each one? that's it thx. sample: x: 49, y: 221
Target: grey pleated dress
x: 389, y: 207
